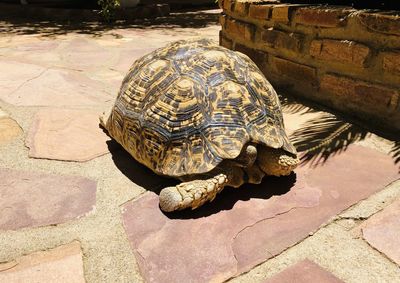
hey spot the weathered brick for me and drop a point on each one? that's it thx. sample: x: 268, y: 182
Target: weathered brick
x: 241, y: 8
x: 343, y: 51
x: 280, y: 13
x: 364, y: 95
x: 227, y: 5
x: 224, y: 41
x: 320, y: 16
x: 391, y: 62
x: 279, y: 39
x: 258, y: 57
x: 388, y: 24
x: 261, y: 12
x: 239, y: 29
x: 221, y: 4
x: 295, y: 70
x: 222, y: 20
x: 283, y: 13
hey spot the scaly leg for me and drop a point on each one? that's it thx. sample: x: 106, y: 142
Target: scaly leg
x: 191, y: 194
x: 276, y: 162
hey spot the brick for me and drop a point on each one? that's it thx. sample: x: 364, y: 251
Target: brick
x: 224, y: 41
x: 222, y: 20
x: 391, y: 62
x: 318, y: 16
x: 343, y: 51
x: 221, y: 4
x: 295, y: 71
x: 376, y: 22
x: 258, y: 57
x: 364, y: 95
x: 280, y: 13
x: 261, y: 12
x: 240, y: 29
x: 241, y: 8
x: 280, y: 39
x: 227, y: 5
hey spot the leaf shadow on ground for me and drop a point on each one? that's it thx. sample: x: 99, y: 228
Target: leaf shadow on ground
x: 144, y: 177
x: 14, y: 25
x: 329, y: 134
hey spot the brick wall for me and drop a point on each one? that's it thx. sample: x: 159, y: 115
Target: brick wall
x: 343, y: 58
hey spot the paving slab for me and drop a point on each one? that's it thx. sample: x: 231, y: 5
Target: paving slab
x: 61, y: 264
x: 245, y: 227
x: 71, y: 135
x: 3, y: 114
x: 85, y: 54
x: 9, y: 129
x: 304, y: 271
x: 29, y: 199
x: 24, y: 84
x: 382, y: 231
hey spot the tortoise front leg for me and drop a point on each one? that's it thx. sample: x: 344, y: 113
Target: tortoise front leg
x: 191, y: 194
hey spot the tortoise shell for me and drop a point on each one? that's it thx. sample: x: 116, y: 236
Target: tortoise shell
x: 184, y: 108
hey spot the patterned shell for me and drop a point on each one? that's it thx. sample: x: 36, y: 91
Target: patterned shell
x: 184, y: 108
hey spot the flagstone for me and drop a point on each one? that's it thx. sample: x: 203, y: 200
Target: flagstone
x: 23, y: 84
x: 61, y: 134
x: 86, y: 54
x: 382, y: 231
x: 128, y: 57
x: 3, y: 114
x: 61, y: 264
x: 304, y: 271
x: 246, y: 226
x: 29, y: 199
x: 14, y: 74
x: 9, y: 130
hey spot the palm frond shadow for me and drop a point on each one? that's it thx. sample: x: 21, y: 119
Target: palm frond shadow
x: 290, y: 105
x: 395, y: 152
x: 328, y: 134
x: 324, y: 137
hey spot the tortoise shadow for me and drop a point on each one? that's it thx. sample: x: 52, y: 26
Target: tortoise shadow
x: 144, y: 177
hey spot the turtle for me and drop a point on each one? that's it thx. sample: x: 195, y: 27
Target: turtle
x: 204, y: 114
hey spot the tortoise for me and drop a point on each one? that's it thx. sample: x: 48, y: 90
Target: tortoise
x: 203, y: 114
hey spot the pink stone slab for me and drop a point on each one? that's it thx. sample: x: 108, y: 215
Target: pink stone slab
x: 72, y: 135
x: 246, y: 226
x: 29, y: 199
x: 61, y: 264
x: 83, y: 54
x: 382, y: 231
x: 13, y: 75
x: 304, y: 271
x: 128, y: 57
x: 25, y: 84
x: 9, y: 130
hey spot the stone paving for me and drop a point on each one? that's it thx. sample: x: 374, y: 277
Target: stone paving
x: 75, y: 207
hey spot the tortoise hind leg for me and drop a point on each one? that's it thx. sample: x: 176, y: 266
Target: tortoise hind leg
x: 276, y: 162
x: 191, y: 194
